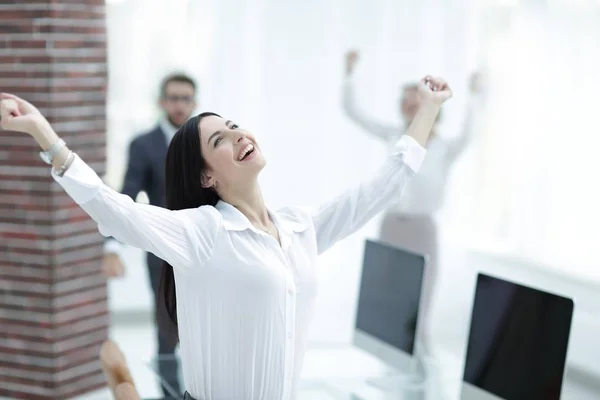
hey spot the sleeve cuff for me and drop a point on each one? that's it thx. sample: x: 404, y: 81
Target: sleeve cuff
x: 412, y: 153
x: 348, y: 83
x: 79, y: 181
x: 112, y: 246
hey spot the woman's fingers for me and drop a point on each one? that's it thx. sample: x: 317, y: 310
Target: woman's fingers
x: 9, y: 109
x: 8, y: 96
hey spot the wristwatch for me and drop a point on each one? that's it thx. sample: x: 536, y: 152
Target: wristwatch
x: 48, y: 155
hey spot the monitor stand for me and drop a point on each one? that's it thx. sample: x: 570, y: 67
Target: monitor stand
x: 412, y: 380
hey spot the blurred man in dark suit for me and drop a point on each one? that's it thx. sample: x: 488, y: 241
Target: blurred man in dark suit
x: 145, y: 172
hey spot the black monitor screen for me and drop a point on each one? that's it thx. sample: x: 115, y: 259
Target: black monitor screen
x: 518, y: 340
x: 390, y: 292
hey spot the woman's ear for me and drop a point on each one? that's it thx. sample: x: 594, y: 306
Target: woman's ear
x: 207, y: 181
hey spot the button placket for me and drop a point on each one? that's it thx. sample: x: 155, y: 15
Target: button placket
x: 290, y: 321
x: 290, y: 314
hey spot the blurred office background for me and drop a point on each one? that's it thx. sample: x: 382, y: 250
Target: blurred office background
x: 522, y: 201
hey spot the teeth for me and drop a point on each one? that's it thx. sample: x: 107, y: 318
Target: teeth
x: 246, y: 150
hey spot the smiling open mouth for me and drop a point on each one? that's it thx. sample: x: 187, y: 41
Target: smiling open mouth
x: 246, y: 152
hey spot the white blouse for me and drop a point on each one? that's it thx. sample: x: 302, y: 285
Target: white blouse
x: 244, y: 302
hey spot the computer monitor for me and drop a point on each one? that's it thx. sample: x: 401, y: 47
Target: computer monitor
x: 388, y: 304
x: 517, y: 344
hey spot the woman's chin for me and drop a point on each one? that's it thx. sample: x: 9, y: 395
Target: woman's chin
x: 257, y: 161
x: 254, y: 166
x: 261, y: 164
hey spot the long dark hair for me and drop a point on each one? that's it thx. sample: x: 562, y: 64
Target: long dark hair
x: 183, y: 178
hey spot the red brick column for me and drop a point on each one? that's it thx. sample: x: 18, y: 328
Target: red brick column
x: 53, y: 299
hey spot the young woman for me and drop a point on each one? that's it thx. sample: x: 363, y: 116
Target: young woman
x: 245, y: 274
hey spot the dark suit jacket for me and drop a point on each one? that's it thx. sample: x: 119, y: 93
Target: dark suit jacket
x: 146, y: 172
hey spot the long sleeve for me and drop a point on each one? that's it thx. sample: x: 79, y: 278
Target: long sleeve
x: 136, y: 180
x: 182, y: 238
x: 360, y: 117
x: 347, y: 213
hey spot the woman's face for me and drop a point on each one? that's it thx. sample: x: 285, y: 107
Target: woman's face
x: 231, y: 153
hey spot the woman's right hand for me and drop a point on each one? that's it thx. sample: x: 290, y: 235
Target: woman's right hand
x: 434, y: 90
x: 18, y: 115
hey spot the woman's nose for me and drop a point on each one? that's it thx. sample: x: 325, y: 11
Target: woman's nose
x: 240, y: 136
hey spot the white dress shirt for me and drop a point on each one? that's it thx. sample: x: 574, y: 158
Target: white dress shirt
x: 168, y: 129
x: 424, y: 196
x: 244, y: 302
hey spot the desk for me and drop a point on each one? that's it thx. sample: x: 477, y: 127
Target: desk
x: 347, y: 373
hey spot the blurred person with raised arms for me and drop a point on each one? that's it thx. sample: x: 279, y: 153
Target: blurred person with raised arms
x: 410, y: 221
x: 146, y: 173
x: 239, y: 282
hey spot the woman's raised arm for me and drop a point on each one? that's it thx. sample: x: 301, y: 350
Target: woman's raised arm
x: 351, y: 210
x: 182, y: 238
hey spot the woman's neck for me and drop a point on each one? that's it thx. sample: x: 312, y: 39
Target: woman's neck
x: 251, y: 203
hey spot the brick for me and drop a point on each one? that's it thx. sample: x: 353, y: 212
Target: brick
x: 54, y: 332
x: 96, y: 59
x: 77, y: 44
x: 59, y: 97
x: 60, y: 332
x: 82, y: 268
x: 64, y: 244
x: 81, y: 255
x: 80, y: 14
x: 54, y: 316
x: 96, y: 294
x: 45, y: 5
x: 17, y: 71
x: 61, y: 272
x: 24, y: 272
x: 86, y: 83
x: 78, y: 126
x: 25, y: 44
x: 13, y: 256
x: 95, y: 307
x: 16, y: 15
x: 20, y: 142
x: 99, y: 119
x: 23, y: 391
x: 72, y: 26
x: 64, y: 375
x: 39, y: 171
x: 15, y: 27
x: 89, y: 3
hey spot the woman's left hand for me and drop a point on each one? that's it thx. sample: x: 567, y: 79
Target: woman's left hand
x: 434, y: 90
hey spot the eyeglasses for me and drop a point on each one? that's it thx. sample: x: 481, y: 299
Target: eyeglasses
x: 175, y: 99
